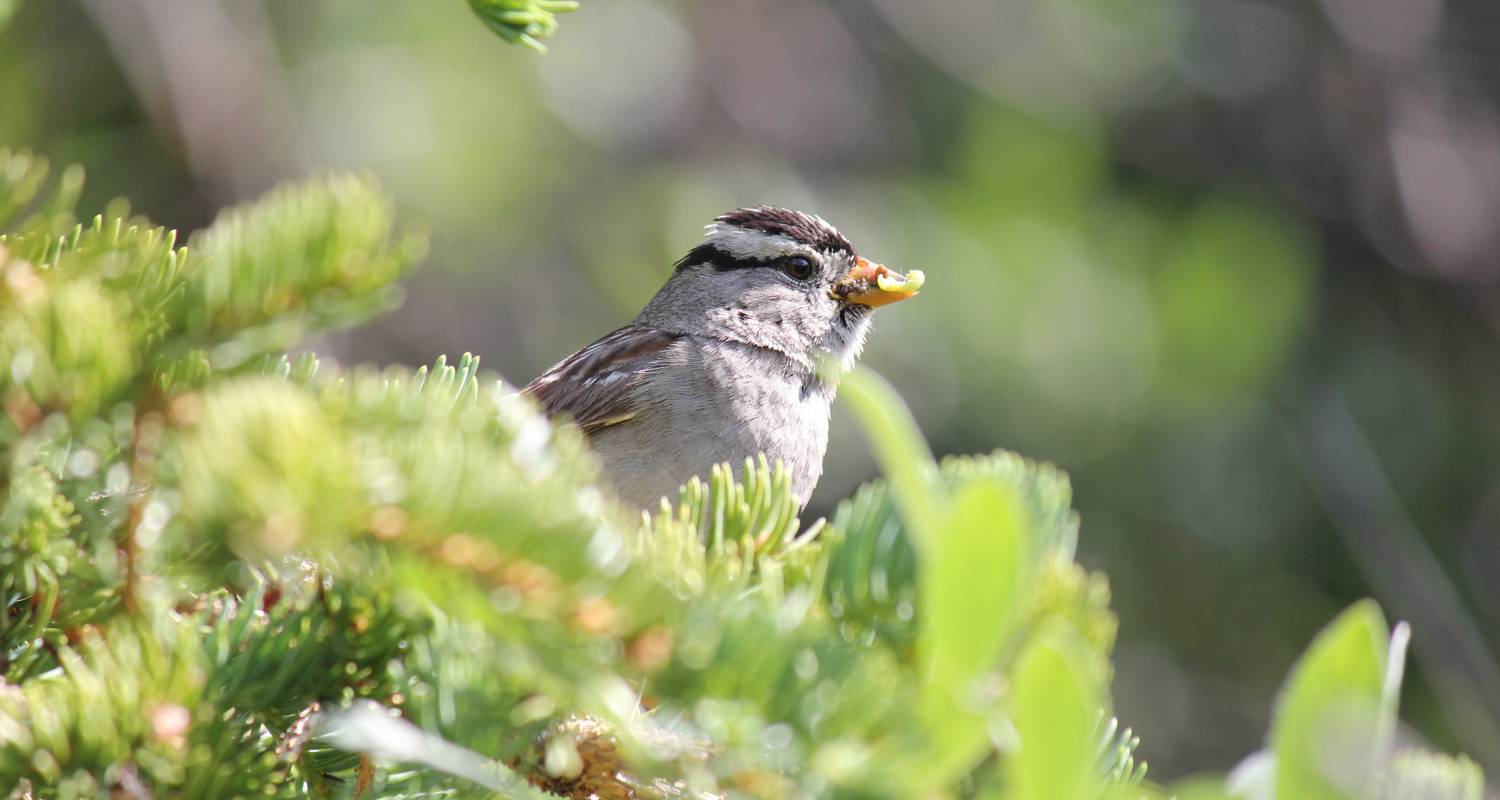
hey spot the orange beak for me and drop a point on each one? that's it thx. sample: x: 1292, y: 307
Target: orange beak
x: 875, y: 285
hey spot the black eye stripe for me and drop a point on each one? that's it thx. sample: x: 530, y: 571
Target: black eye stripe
x: 720, y: 260
x: 707, y: 253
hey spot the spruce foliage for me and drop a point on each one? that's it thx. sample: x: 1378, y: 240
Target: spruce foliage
x: 524, y: 22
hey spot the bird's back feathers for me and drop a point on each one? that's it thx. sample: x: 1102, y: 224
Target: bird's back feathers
x: 593, y: 386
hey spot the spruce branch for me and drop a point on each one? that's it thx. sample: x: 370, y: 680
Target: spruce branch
x: 119, y: 713
x: 1416, y: 774
x: 24, y: 187
x: 305, y: 257
x: 731, y: 530
x: 525, y: 22
x: 1116, y: 754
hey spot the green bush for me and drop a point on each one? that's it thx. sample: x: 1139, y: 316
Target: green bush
x: 229, y: 574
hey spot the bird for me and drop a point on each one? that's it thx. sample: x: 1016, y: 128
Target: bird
x: 727, y: 361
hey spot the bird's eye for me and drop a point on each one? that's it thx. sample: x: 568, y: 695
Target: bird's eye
x: 799, y: 267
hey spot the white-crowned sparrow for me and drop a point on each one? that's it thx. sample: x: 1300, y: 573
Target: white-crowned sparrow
x: 724, y: 362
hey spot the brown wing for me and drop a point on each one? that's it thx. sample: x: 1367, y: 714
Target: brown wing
x: 595, y: 386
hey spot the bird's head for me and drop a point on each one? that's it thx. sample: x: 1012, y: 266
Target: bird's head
x: 779, y: 279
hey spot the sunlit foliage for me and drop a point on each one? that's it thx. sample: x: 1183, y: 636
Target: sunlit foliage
x: 231, y: 573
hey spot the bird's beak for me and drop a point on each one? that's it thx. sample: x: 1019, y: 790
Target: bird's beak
x: 875, y: 285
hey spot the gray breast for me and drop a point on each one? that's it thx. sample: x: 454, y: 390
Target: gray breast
x: 713, y: 402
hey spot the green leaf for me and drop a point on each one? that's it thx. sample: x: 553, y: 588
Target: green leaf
x: 872, y: 571
x: 1325, y: 733
x: 1055, y: 704
x: 973, y: 577
x: 1200, y: 788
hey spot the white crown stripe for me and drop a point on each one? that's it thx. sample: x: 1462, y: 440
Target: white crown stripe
x: 741, y: 243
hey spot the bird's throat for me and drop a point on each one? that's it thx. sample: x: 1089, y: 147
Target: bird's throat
x: 845, y: 339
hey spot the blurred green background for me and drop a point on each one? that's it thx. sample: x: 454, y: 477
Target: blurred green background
x: 1233, y: 264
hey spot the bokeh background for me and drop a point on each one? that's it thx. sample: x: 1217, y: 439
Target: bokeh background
x: 1233, y: 264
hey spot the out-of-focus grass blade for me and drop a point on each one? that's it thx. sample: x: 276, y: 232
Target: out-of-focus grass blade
x: 899, y: 447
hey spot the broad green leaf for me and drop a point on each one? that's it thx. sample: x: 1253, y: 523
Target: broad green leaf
x: 1325, y: 732
x: 1055, y: 703
x: 1254, y: 778
x: 972, y: 580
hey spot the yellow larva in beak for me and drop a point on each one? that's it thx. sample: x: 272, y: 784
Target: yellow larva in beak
x: 875, y: 285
